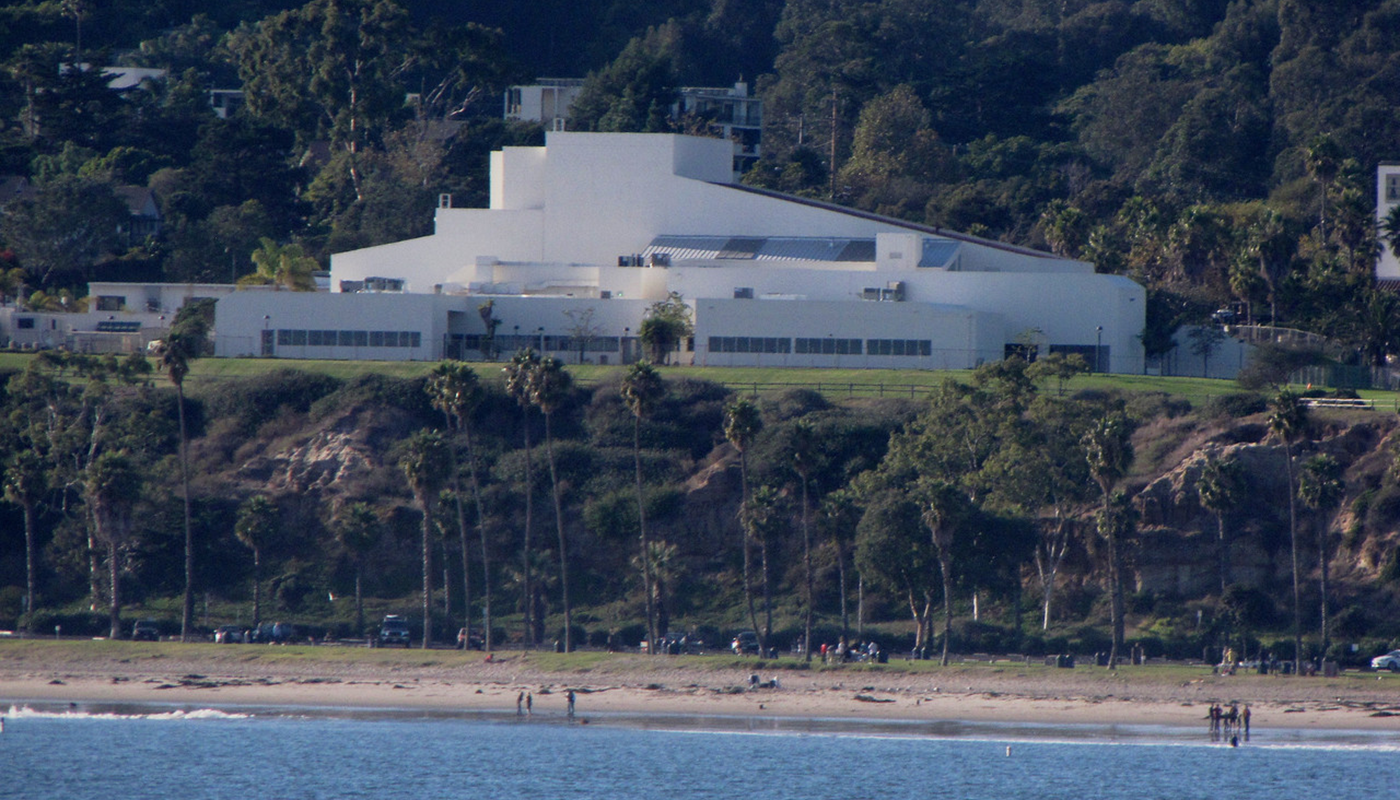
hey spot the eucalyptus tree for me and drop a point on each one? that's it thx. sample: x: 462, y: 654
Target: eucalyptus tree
x: 456, y: 391
x: 357, y: 532
x: 742, y: 423
x: 113, y: 485
x: 893, y: 550
x: 174, y: 355
x: 1108, y: 449
x: 256, y: 526
x: 25, y: 483
x: 642, y: 390
x: 549, y: 389
x: 1219, y: 487
x: 519, y: 374
x: 1321, y: 489
x: 425, y: 465
x: 1288, y: 420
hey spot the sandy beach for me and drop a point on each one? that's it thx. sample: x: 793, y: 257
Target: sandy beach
x: 1008, y: 692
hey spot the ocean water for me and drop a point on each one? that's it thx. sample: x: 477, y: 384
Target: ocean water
x: 106, y: 753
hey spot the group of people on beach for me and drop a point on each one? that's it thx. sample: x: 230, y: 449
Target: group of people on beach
x: 525, y: 704
x: 842, y: 652
x: 1228, y: 724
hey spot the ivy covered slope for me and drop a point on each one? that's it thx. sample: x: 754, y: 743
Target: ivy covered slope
x: 997, y: 514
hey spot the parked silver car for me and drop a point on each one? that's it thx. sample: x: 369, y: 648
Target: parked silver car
x: 1390, y: 661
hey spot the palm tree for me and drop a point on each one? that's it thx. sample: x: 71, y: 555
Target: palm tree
x: 283, y: 266
x: 174, y: 355
x: 1109, y: 450
x: 943, y: 508
x: 1323, y: 160
x: 1390, y: 230
x: 742, y: 423
x: 518, y: 376
x: 425, y: 464
x: 642, y: 388
x: 24, y: 485
x: 840, y: 513
x: 1219, y: 488
x: 457, y: 392
x: 112, y: 485
x: 804, y: 460
x: 665, y: 563
x: 1320, y: 487
x: 1288, y: 420
x: 255, y: 527
x: 549, y: 388
x: 357, y: 531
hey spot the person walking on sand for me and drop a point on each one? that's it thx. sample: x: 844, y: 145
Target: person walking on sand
x: 571, y: 704
x: 519, y: 704
x: 529, y: 704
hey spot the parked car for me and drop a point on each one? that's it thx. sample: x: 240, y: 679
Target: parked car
x: 1390, y: 661
x: 228, y: 634
x: 394, y: 630
x: 145, y: 630
x: 475, y: 642
x: 745, y: 643
x: 274, y: 633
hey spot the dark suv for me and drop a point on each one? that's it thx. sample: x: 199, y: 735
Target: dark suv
x: 394, y: 630
x: 145, y: 630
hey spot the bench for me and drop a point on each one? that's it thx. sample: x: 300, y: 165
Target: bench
x: 1339, y: 402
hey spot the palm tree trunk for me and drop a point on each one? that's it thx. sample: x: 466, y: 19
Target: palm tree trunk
x: 1322, y: 558
x: 114, y: 588
x: 946, y: 571
x: 485, y: 556
x: 563, y: 542
x: 841, y: 580
x: 257, y: 586
x: 1223, y: 550
x: 1293, y: 544
x: 529, y: 514
x: 807, y: 568
x: 462, y: 537
x: 29, y: 581
x: 187, y: 613
x: 744, y: 536
x: 425, y: 502
x: 359, y: 596
x: 642, y: 528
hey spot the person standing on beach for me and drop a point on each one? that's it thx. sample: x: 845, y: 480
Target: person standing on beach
x: 519, y: 704
x: 529, y: 704
x: 571, y: 704
x: 1244, y: 718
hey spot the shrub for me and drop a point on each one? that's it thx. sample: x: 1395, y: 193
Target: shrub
x: 1236, y: 405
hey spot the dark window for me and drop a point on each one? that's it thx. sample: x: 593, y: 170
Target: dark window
x: 24, y: 323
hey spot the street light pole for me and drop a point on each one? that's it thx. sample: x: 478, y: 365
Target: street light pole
x: 1098, y: 349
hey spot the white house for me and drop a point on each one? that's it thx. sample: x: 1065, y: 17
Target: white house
x: 1387, y: 198
x: 583, y: 234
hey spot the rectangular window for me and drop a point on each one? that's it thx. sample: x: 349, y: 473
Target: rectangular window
x: 361, y: 338
x: 1392, y: 188
x: 376, y: 339
x: 299, y: 337
x: 345, y: 338
x: 314, y: 338
x: 416, y: 339
x: 24, y: 323
x: 284, y: 337
x: 110, y: 303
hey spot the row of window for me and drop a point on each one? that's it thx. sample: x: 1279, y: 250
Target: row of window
x: 749, y: 344
x: 304, y: 338
x: 823, y: 346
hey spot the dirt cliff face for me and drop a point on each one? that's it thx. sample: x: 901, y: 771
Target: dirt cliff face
x: 1178, y: 538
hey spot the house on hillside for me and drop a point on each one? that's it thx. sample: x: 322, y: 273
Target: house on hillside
x: 585, y: 233
x: 1387, y: 198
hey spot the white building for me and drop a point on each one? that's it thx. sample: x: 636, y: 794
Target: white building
x: 584, y: 234
x: 1387, y: 198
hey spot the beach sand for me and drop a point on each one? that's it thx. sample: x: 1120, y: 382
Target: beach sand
x: 1006, y: 692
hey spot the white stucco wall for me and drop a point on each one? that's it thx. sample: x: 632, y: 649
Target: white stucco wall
x: 1387, y: 197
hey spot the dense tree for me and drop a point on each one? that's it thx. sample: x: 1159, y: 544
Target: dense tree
x: 284, y: 266
x: 665, y: 327
x: 25, y: 483
x: 65, y: 229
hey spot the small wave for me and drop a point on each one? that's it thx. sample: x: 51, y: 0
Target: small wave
x: 177, y: 715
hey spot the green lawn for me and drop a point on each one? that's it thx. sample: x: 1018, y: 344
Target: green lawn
x: 835, y: 383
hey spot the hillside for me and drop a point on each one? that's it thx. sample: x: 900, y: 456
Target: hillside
x: 316, y: 446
